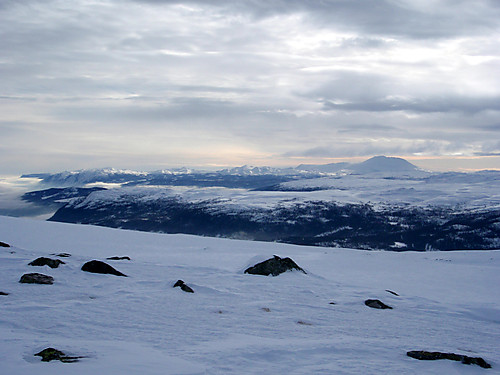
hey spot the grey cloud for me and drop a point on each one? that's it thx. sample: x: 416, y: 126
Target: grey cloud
x: 370, y: 128
x: 469, y: 105
x: 384, y: 17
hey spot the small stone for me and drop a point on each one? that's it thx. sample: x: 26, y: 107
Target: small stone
x: 51, y: 354
x: 36, y: 278
x: 390, y: 291
x: 266, y: 309
x: 119, y: 258
x: 431, y: 356
x: 301, y: 322
x: 376, y: 304
x: 4, y: 294
x: 3, y: 244
x: 52, y: 263
x: 274, y: 266
x: 96, y: 266
x: 183, y: 286
x: 62, y: 255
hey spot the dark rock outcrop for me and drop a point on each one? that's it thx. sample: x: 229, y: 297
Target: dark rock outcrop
x: 51, y: 354
x: 96, y: 266
x: 4, y: 294
x: 431, y: 356
x: 376, y: 304
x: 390, y: 291
x: 36, y: 278
x: 62, y: 255
x: 274, y: 266
x: 42, y: 261
x: 119, y: 258
x: 183, y: 286
x: 3, y: 244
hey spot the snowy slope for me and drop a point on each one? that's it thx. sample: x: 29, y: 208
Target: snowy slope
x: 236, y: 323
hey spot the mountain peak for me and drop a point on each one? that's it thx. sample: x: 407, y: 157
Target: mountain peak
x: 384, y: 164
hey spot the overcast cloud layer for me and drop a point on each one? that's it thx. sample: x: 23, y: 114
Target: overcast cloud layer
x: 152, y: 84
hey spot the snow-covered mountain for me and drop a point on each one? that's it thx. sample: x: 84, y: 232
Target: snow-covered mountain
x: 382, y: 203
x: 244, y: 176
x: 235, y: 323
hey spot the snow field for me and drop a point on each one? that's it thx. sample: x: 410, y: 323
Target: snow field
x: 238, y: 323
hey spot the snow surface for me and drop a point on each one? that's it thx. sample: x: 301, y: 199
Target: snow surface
x: 236, y: 323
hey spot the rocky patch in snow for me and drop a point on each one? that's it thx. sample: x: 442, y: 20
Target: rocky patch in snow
x: 3, y: 244
x: 96, y: 266
x: 42, y: 261
x: 118, y: 258
x: 274, y: 266
x: 186, y: 288
x: 51, y: 354
x: 36, y: 278
x: 376, y: 304
x: 431, y: 356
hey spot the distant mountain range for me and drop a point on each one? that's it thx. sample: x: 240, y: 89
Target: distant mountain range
x: 381, y: 203
x: 240, y: 177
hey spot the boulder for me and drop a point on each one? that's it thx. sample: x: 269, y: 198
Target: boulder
x: 96, y: 266
x: 376, y: 304
x: 183, y: 286
x: 119, y: 258
x: 51, y: 354
x: 36, y: 278
x: 3, y: 244
x: 52, y: 263
x: 274, y: 266
x: 431, y: 356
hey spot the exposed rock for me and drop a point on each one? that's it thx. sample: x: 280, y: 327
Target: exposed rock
x: 332, y: 303
x: 119, y: 258
x: 390, y: 291
x: 376, y: 304
x: 52, y: 263
x: 266, y: 309
x: 3, y: 244
x: 183, y: 286
x: 302, y: 323
x: 431, y: 356
x: 51, y: 354
x: 62, y: 255
x: 4, y: 294
x: 36, y: 278
x: 274, y: 266
x: 96, y: 266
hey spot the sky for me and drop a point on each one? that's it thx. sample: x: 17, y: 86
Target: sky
x: 149, y: 84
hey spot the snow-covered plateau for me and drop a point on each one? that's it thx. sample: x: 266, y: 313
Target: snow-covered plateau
x: 236, y: 323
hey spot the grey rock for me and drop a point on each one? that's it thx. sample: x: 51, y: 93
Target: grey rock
x: 390, y: 291
x: 4, y: 294
x: 274, y: 266
x: 3, y: 244
x: 96, y: 266
x: 431, y: 356
x: 119, y: 258
x: 376, y: 304
x: 36, y: 278
x: 52, y: 263
x: 183, y: 286
x: 51, y: 354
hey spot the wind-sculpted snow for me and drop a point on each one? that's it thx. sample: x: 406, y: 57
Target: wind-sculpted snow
x: 235, y: 323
